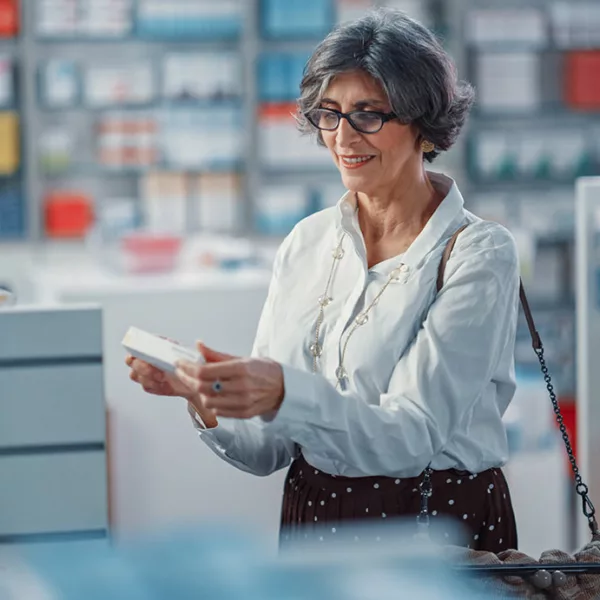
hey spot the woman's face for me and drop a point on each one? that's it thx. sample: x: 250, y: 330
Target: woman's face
x: 369, y: 163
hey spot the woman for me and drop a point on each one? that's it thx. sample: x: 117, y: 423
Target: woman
x: 361, y: 374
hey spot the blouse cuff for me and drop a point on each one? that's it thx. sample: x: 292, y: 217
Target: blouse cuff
x: 298, y: 400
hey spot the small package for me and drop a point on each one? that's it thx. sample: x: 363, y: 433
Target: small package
x: 159, y: 352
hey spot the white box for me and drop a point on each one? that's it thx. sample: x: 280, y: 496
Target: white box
x: 159, y: 352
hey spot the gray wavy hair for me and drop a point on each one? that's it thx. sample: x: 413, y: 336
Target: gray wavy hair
x: 415, y: 71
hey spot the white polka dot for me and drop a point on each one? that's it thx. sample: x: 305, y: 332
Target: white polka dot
x: 476, y: 536
x: 500, y: 541
x: 504, y: 496
x: 310, y: 503
x: 491, y: 486
x: 300, y: 472
x: 450, y: 502
x: 489, y: 491
x: 459, y: 481
x: 492, y: 528
x: 333, y: 529
x: 415, y: 490
x: 397, y: 481
x: 316, y: 518
x: 470, y: 476
x: 376, y: 486
x: 383, y: 515
x: 474, y: 475
x: 473, y: 515
x: 366, y: 510
x: 322, y: 502
x: 448, y: 480
x: 316, y: 472
x: 333, y: 495
x: 296, y: 489
x: 465, y: 517
x: 434, y: 513
x: 348, y: 490
x: 484, y: 523
x: 499, y: 519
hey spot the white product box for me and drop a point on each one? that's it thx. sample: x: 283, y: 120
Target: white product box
x: 159, y: 352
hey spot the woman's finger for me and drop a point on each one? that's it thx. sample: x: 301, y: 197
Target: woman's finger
x: 210, y: 372
x: 191, y: 382
x: 239, y: 387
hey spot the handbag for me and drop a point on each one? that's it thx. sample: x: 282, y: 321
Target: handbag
x: 512, y: 573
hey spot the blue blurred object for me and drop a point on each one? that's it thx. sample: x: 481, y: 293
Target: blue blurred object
x: 11, y: 212
x: 307, y: 19
x: 216, y: 563
x: 202, y: 19
x: 280, y: 74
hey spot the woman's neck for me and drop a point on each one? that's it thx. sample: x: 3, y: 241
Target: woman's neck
x: 392, y: 219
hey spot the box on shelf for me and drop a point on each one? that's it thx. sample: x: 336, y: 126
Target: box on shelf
x: 127, y: 140
x: 56, y: 150
x: 217, y: 199
x: 525, y: 26
x: 9, y: 143
x: 582, y: 79
x: 281, y: 145
x: 84, y: 19
x: 9, y: 18
x: 576, y: 24
x: 279, y: 208
x: 59, y: 83
x: 508, y: 81
x: 297, y: 18
x: 202, y: 76
x: 68, y: 213
x: 164, y: 202
x: 191, y: 19
x: 105, y: 85
x: 280, y: 74
x: 558, y: 154
x: 11, y: 211
x: 7, y: 83
x: 207, y: 138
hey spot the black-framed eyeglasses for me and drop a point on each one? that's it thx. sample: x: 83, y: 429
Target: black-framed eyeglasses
x: 364, y: 121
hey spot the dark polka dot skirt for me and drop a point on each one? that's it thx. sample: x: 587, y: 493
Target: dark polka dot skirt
x: 317, y: 502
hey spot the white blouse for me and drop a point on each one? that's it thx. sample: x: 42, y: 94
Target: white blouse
x: 429, y: 375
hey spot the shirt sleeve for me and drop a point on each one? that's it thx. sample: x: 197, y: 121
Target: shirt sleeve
x: 436, y: 382
x: 248, y: 444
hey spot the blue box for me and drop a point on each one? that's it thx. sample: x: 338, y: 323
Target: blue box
x: 297, y: 18
x: 12, y: 222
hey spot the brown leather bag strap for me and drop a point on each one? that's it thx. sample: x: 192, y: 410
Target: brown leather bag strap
x: 535, y: 336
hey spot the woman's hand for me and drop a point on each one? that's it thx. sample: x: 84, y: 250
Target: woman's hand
x: 234, y: 387
x: 155, y: 381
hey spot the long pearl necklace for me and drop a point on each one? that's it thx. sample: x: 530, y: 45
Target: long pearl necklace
x: 316, y: 348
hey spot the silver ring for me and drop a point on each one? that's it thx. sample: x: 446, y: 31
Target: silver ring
x: 217, y: 386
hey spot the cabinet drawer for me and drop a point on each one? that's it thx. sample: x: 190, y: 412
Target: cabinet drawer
x: 46, y: 405
x: 52, y: 493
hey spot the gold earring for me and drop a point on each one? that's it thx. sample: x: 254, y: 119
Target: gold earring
x: 427, y: 146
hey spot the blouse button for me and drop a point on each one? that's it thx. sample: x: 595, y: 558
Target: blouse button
x: 347, y: 209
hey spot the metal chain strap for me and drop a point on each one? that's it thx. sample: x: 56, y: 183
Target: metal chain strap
x: 580, y: 487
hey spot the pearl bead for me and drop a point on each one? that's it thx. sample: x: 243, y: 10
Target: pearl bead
x: 316, y: 350
x: 362, y: 318
x: 559, y: 578
x: 325, y: 300
x: 340, y: 373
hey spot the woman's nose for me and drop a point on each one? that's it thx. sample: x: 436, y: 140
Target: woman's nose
x: 345, y: 133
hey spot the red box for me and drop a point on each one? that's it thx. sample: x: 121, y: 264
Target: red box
x: 9, y: 18
x: 68, y: 214
x: 582, y: 80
